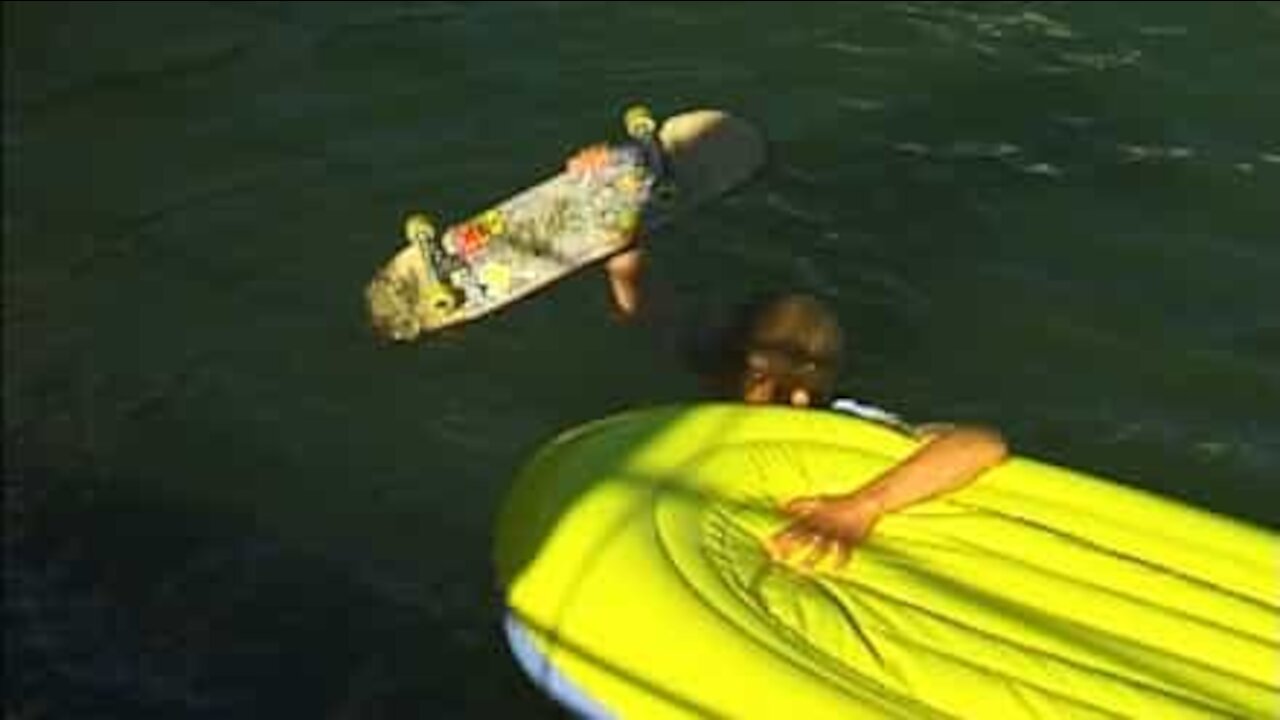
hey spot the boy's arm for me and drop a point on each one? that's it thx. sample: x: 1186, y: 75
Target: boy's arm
x: 625, y: 272
x: 836, y: 523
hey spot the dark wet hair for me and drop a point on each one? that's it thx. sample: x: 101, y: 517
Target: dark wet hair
x: 791, y: 336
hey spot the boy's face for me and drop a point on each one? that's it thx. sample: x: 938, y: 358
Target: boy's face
x: 766, y: 380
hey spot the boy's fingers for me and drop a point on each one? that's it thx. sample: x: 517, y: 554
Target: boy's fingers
x: 819, y: 551
x: 843, y: 551
x: 788, y: 541
x: 801, y: 506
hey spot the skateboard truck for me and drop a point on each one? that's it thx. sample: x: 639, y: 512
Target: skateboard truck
x: 420, y: 232
x: 642, y: 128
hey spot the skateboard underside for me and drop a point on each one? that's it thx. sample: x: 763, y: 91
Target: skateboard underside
x: 588, y: 212
x: 593, y: 209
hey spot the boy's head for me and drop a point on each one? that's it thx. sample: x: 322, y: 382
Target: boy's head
x: 789, y: 352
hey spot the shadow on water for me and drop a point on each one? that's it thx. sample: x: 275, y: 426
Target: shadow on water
x: 179, y: 604
x: 126, y: 605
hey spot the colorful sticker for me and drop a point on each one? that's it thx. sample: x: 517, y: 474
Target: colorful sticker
x: 632, y: 183
x: 628, y: 221
x: 496, y: 278
x: 589, y: 160
x: 470, y: 240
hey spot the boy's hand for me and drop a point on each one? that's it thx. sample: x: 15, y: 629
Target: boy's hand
x: 825, y: 524
x: 625, y: 271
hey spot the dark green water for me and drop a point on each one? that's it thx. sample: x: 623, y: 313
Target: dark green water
x: 223, y: 500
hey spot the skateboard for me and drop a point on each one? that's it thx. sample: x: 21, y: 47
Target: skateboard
x: 604, y: 199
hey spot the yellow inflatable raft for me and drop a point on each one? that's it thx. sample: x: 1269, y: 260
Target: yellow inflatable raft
x: 630, y: 554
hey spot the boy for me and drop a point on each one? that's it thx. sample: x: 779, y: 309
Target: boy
x: 787, y: 350
x: 790, y: 354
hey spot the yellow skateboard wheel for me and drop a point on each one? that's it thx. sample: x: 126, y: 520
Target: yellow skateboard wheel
x: 492, y: 222
x: 440, y: 298
x: 419, y: 228
x: 639, y: 121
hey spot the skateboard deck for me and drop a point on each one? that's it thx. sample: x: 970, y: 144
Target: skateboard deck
x: 603, y: 200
